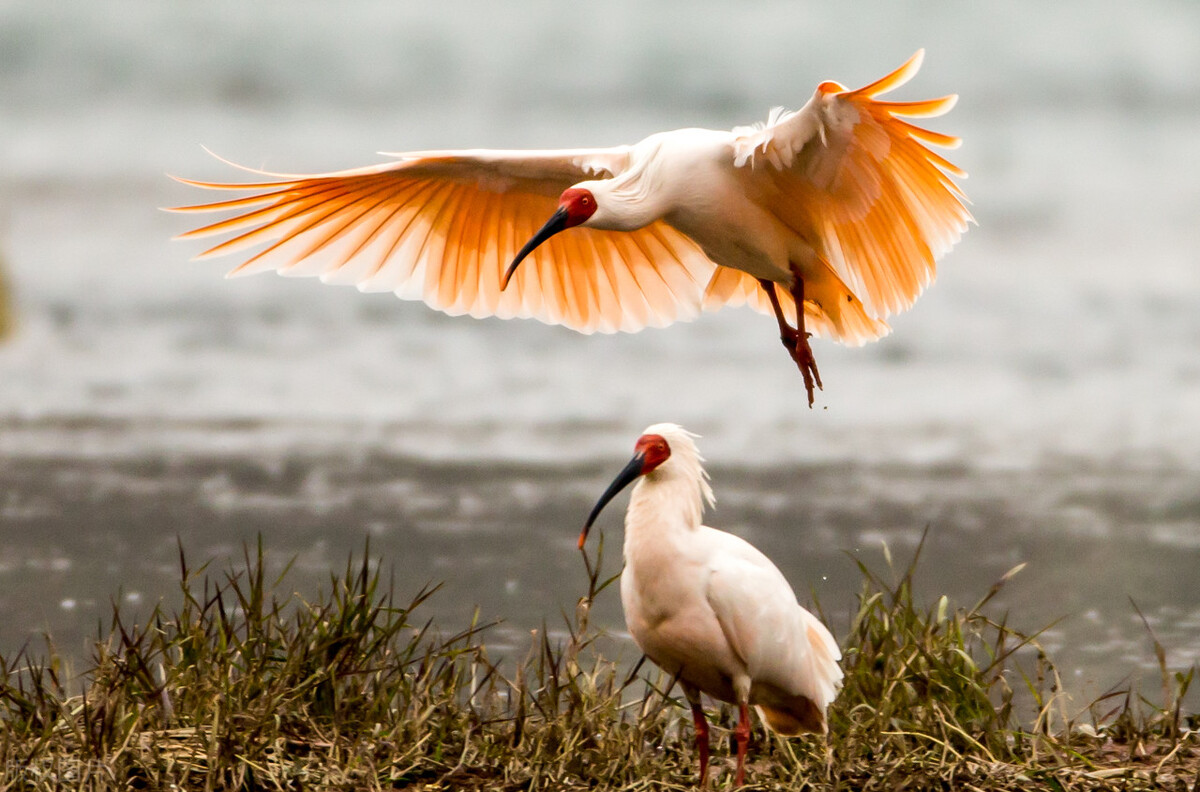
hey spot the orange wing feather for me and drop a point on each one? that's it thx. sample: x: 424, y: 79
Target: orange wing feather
x: 442, y: 227
x: 857, y: 182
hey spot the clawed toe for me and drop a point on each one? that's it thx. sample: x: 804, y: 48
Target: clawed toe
x: 802, y: 354
x: 795, y: 339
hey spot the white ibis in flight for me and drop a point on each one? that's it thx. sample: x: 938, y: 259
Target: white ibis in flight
x: 709, y: 608
x: 832, y: 215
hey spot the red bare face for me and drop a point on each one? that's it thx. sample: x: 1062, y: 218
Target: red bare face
x: 579, y: 203
x: 650, y: 452
x: 654, y: 450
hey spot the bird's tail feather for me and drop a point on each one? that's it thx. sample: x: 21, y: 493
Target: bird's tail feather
x: 830, y: 309
x: 801, y: 716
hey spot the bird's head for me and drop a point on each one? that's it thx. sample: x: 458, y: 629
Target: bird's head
x: 579, y: 204
x: 575, y: 206
x: 652, y: 451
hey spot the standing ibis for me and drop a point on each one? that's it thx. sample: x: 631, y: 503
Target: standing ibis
x: 710, y: 609
x: 830, y: 217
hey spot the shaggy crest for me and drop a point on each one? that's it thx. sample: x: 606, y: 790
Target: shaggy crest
x: 685, y: 458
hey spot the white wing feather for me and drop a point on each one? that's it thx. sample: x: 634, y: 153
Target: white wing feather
x: 781, y: 643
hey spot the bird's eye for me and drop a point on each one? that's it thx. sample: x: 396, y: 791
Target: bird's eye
x: 585, y: 200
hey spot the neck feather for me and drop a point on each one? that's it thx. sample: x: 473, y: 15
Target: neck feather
x: 668, y: 500
x: 629, y: 201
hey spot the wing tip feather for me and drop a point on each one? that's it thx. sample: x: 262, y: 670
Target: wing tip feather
x: 894, y: 79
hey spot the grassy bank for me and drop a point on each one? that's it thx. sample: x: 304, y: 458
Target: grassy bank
x: 244, y: 686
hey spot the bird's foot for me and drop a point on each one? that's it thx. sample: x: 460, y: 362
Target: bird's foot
x: 795, y: 339
x: 797, y: 346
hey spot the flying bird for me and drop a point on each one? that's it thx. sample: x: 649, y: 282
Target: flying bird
x: 831, y: 218
x: 709, y: 608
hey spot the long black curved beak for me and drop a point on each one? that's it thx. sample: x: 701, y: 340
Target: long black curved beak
x: 556, y: 223
x: 631, y: 472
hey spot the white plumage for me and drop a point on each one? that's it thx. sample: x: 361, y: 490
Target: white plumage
x: 832, y: 216
x: 708, y: 607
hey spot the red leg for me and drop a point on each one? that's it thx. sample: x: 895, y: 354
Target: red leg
x: 795, y: 340
x: 803, y: 354
x: 786, y: 333
x: 701, y: 733
x: 742, y: 733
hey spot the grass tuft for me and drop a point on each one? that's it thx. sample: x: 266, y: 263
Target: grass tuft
x: 243, y: 687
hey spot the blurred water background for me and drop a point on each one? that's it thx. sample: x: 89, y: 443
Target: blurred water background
x: 1040, y: 404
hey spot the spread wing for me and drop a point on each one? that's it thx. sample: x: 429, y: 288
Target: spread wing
x: 442, y: 226
x: 857, y: 182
